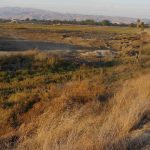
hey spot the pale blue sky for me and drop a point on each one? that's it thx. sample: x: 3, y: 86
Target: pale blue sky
x: 128, y: 8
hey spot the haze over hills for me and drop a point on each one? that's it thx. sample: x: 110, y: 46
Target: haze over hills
x: 32, y: 13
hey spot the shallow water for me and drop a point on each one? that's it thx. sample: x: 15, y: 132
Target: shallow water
x: 22, y: 45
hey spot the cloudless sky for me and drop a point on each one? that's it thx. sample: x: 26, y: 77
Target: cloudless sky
x: 127, y: 8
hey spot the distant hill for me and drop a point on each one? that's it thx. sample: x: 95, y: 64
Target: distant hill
x: 23, y: 13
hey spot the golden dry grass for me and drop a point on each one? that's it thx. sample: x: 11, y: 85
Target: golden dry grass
x: 51, y: 101
x: 119, y: 123
x: 68, y: 28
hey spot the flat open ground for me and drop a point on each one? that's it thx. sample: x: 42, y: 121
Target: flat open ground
x: 74, y: 88
x: 28, y: 36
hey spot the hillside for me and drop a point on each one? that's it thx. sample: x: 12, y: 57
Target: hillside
x: 23, y: 13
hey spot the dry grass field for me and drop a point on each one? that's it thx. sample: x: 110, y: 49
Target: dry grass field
x: 74, y: 88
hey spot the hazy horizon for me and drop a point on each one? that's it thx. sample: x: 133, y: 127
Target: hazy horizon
x: 123, y: 8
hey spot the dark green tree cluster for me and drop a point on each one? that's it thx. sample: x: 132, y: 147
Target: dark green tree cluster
x: 83, y: 22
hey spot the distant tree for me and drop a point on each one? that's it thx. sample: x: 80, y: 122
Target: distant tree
x: 34, y: 20
x: 106, y: 23
x: 74, y: 21
x: 132, y: 25
x: 88, y: 22
x: 138, y: 23
x: 27, y: 19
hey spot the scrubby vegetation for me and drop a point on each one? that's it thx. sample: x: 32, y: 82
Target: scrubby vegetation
x: 62, y: 100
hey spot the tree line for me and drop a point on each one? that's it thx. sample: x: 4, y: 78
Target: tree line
x: 72, y: 22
